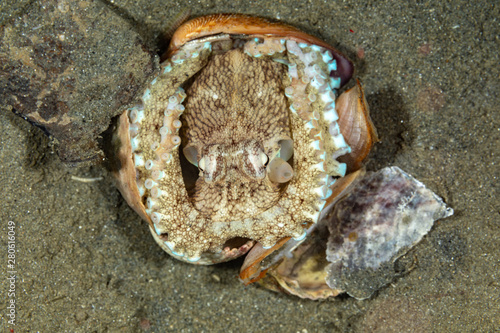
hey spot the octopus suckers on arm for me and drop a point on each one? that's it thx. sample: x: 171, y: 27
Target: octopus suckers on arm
x: 236, y: 140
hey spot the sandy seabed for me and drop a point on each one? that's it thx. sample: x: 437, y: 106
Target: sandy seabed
x: 85, y: 262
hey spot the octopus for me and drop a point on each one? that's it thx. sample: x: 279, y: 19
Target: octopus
x: 240, y: 143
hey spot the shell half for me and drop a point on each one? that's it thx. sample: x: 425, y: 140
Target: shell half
x: 233, y: 142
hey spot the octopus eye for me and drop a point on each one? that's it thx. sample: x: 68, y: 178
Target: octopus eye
x: 263, y: 158
x: 202, y: 164
x: 213, y: 166
x: 254, y: 163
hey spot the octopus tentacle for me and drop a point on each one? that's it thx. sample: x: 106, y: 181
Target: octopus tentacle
x: 211, y: 25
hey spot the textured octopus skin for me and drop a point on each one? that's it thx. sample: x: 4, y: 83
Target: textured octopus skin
x: 236, y: 140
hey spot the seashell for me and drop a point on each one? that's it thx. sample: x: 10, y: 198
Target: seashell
x: 354, y: 246
x: 356, y: 126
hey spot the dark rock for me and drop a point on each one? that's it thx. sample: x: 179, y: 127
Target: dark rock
x: 68, y: 68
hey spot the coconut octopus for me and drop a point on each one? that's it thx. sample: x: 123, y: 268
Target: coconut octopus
x: 239, y: 142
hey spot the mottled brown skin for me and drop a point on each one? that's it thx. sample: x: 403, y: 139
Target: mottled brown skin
x: 235, y: 113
